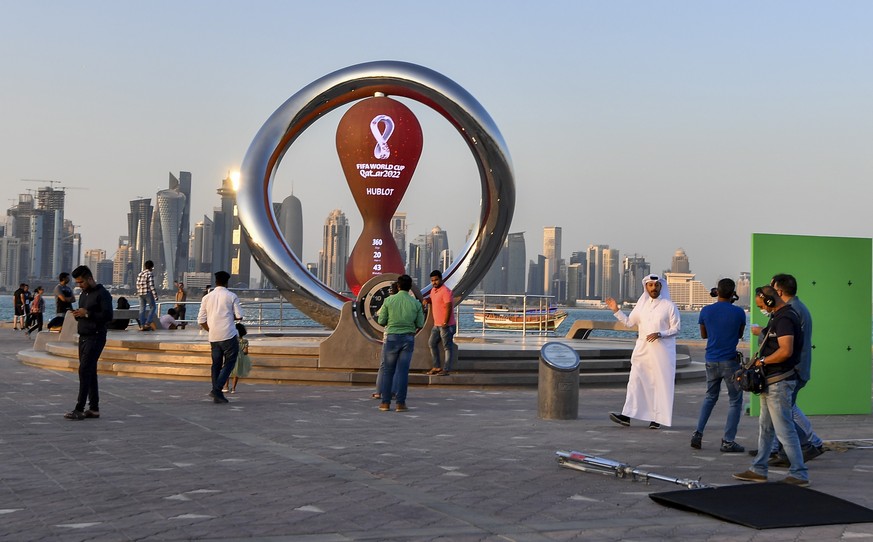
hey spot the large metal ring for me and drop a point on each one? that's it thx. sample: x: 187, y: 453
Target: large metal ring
x: 276, y: 259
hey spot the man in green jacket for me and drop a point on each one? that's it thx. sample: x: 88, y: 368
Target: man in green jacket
x: 402, y: 316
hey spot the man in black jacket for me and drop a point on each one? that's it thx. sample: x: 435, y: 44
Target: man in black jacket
x: 93, y: 317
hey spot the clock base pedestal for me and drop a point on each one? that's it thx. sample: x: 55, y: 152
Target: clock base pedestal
x: 348, y: 348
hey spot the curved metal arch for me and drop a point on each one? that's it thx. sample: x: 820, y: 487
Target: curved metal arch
x: 272, y: 253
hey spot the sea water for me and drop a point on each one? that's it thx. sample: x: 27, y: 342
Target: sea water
x: 278, y: 315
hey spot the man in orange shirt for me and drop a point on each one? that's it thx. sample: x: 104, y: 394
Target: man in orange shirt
x: 444, y: 327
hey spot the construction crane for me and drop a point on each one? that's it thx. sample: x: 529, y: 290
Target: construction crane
x: 53, y: 183
x: 44, y: 181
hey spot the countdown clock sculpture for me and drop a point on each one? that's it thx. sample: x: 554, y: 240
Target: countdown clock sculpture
x: 355, y: 83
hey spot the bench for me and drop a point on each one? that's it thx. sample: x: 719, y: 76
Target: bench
x: 581, y: 329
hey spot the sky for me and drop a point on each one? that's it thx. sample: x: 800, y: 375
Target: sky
x: 646, y: 126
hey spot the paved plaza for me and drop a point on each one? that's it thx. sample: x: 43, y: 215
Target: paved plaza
x: 322, y: 464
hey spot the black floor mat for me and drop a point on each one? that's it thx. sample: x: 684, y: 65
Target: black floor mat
x: 767, y: 506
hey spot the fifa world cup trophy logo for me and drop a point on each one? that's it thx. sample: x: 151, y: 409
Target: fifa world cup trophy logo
x: 379, y: 143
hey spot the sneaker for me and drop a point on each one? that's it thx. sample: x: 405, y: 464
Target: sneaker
x: 795, y: 481
x: 75, y: 415
x: 401, y: 407
x: 619, y: 419
x: 750, y: 476
x: 779, y: 461
x: 696, y: 440
x: 654, y: 425
x: 731, y: 447
x: 92, y: 413
x: 385, y: 407
x: 811, y: 452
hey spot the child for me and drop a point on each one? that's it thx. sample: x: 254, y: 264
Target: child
x: 243, y: 361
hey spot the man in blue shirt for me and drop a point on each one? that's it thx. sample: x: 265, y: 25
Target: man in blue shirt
x: 722, y: 325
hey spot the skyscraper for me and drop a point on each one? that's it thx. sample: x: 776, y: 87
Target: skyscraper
x: 170, y: 210
x: 679, y: 263
x: 398, y: 231
x: 93, y: 256
x: 51, y: 203
x: 291, y: 224
x: 594, y: 287
x: 611, y: 273
x: 335, y: 251
x: 139, y: 227
x: 182, y: 184
x: 230, y: 250
x: 552, y: 253
x: 437, y: 242
x: 516, y: 259
x: 634, y: 268
x: 121, y: 264
x: 202, y: 246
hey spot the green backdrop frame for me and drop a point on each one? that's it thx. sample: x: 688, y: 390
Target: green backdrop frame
x: 834, y: 281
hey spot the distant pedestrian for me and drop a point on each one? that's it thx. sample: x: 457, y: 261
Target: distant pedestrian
x: 722, y: 325
x: 219, y: 311
x: 402, y: 316
x: 63, y: 294
x: 442, y: 308
x: 653, y: 361
x: 26, y: 298
x: 181, y: 307
x: 37, y: 308
x: 92, y: 317
x: 19, y: 318
x: 148, y: 296
x: 120, y: 324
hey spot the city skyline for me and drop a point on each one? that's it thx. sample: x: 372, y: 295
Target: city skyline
x: 646, y: 127
x: 158, y: 231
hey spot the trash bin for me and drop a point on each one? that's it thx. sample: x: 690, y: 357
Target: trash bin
x: 558, y: 386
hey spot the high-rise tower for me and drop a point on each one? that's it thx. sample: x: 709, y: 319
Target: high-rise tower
x: 335, y: 251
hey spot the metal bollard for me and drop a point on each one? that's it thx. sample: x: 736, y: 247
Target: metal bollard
x: 558, y: 385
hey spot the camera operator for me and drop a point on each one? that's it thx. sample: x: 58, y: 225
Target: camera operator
x: 780, y: 344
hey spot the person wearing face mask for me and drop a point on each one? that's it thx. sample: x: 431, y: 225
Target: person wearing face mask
x: 780, y: 344
x: 653, y: 361
x: 812, y: 446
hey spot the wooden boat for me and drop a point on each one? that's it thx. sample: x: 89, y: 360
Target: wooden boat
x: 532, y: 319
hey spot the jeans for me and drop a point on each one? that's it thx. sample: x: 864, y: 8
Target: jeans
x: 147, y: 309
x: 716, y: 372
x: 805, y: 432
x: 396, y: 356
x: 444, y: 334
x: 224, y: 354
x: 379, y: 377
x: 90, y: 348
x: 776, y: 419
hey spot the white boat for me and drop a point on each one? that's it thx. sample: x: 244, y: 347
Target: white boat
x: 532, y: 319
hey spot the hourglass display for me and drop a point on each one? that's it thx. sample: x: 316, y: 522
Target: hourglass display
x: 379, y: 143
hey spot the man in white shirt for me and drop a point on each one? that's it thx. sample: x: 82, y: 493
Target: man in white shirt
x: 653, y: 361
x: 219, y: 311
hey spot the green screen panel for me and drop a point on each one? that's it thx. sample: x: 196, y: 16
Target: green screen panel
x: 834, y: 282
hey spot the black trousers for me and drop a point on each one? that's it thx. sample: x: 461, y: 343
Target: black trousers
x: 90, y: 348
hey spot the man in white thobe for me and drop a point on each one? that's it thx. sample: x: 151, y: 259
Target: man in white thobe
x: 653, y: 361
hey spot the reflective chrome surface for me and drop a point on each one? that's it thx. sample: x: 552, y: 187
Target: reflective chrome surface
x: 284, y: 268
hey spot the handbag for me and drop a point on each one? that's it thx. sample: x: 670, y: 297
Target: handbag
x: 750, y: 376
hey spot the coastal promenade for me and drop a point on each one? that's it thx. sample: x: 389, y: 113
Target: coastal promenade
x: 322, y: 464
